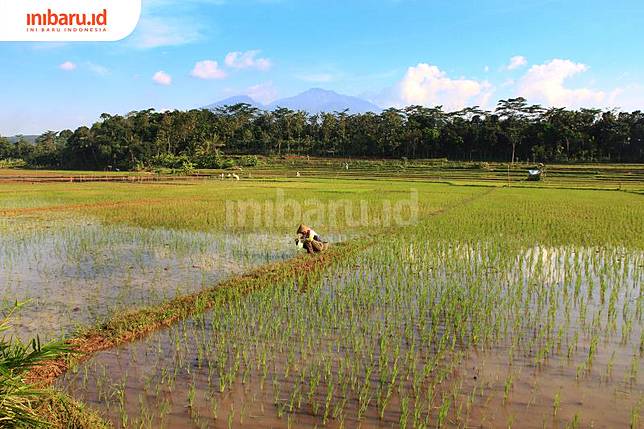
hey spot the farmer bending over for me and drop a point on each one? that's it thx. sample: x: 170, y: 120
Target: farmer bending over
x: 310, y: 239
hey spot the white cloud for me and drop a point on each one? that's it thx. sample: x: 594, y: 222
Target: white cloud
x: 427, y: 85
x: 545, y: 83
x: 207, y: 69
x: 263, y: 92
x: 516, y: 62
x: 67, y: 66
x: 162, y: 78
x: 628, y: 97
x: 153, y: 32
x: 245, y: 60
x: 98, y: 69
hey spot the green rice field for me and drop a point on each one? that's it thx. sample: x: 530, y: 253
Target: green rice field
x: 465, y: 301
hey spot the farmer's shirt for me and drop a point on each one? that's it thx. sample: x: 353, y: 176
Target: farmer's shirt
x: 312, y: 235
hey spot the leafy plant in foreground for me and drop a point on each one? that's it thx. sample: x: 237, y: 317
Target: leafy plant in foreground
x: 18, y: 399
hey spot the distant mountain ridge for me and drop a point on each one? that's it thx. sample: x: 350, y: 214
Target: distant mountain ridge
x: 314, y: 100
x: 231, y: 101
x: 28, y: 138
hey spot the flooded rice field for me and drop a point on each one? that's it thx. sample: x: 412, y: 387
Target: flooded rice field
x: 77, y: 272
x: 413, y: 333
x: 495, y: 308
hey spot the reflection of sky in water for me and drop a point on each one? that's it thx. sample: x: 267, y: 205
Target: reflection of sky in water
x: 347, y: 311
x: 79, y: 272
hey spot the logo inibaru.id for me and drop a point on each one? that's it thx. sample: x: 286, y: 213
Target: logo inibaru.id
x: 52, y: 21
x: 68, y: 20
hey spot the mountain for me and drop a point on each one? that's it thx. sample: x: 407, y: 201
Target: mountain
x: 313, y: 101
x: 231, y: 101
x: 318, y: 100
x: 14, y: 139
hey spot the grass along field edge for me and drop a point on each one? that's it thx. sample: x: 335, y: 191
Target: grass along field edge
x: 61, y: 411
x: 135, y: 324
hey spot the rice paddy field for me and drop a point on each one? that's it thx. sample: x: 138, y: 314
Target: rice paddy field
x: 462, y: 304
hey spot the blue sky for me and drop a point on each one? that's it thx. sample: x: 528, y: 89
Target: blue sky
x: 190, y: 53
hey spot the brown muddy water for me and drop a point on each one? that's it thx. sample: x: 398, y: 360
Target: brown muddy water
x: 77, y: 272
x: 412, y: 334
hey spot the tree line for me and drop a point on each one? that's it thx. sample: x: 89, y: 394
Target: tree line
x: 514, y: 131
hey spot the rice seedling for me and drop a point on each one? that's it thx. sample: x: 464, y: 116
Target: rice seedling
x: 544, y: 279
x: 556, y: 404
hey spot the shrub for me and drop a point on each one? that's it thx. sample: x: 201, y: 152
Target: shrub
x: 168, y: 160
x: 187, y: 168
x: 207, y: 159
x: 481, y: 166
x: 12, y: 163
x: 249, y: 161
x: 140, y: 166
x: 228, y: 163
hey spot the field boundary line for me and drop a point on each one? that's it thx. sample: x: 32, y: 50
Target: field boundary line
x: 137, y: 323
x: 71, y: 207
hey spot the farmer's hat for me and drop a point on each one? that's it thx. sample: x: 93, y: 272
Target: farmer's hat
x: 302, y: 228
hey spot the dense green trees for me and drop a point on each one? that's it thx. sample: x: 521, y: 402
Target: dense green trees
x: 514, y: 131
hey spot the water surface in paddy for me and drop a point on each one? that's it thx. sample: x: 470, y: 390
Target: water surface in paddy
x: 80, y: 271
x: 378, y: 344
